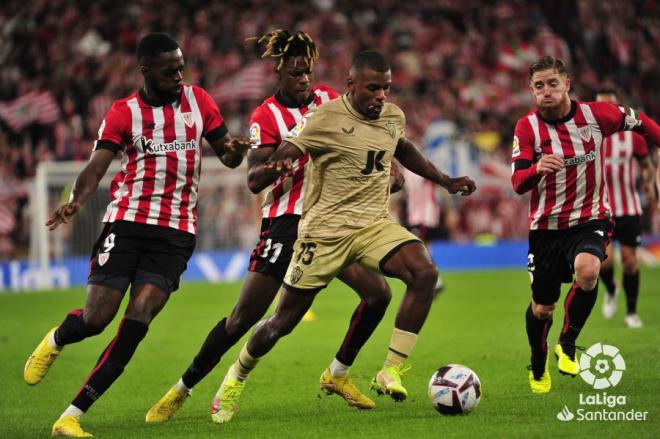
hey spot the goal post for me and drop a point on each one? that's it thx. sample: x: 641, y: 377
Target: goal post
x: 227, y: 216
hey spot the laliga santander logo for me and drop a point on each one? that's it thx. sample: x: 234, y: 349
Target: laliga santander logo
x: 602, y: 366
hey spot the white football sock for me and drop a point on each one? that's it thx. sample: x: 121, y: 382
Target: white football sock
x: 338, y: 369
x: 72, y: 411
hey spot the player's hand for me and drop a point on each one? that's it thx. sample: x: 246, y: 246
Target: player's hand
x: 237, y: 145
x: 62, y: 215
x: 464, y: 185
x: 549, y: 164
x: 397, y: 179
x: 280, y: 167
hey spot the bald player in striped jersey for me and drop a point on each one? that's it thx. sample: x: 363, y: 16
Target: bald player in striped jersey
x: 149, y: 232
x: 557, y: 155
x: 624, y: 154
x: 295, y: 55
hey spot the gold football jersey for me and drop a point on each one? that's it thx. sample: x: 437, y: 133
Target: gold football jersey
x: 348, y: 184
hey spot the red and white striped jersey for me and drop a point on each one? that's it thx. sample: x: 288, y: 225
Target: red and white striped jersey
x: 423, y: 207
x: 576, y: 193
x: 621, y: 171
x: 269, y: 124
x: 161, y: 157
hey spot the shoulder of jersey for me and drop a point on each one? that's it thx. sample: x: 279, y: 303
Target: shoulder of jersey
x: 325, y: 88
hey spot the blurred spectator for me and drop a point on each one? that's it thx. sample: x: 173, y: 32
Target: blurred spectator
x: 465, y: 61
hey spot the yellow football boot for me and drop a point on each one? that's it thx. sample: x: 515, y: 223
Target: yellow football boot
x: 566, y: 362
x: 69, y: 426
x: 344, y: 387
x: 225, y: 402
x: 40, y: 361
x: 544, y: 383
x: 167, y: 406
x: 388, y: 382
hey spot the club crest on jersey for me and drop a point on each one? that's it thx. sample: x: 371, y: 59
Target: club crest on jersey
x: 103, y: 258
x: 585, y: 133
x: 296, y: 274
x: 188, y: 119
x: 391, y: 129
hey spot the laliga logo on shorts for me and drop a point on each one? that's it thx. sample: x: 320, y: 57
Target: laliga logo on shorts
x: 602, y: 366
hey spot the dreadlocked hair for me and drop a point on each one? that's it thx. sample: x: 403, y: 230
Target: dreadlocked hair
x: 282, y: 45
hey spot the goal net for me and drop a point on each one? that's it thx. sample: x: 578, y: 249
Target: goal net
x: 228, y: 213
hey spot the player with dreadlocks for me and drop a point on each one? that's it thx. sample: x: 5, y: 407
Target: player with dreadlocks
x: 295, y: 55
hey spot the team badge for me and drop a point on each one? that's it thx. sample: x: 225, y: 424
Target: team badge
x: 255, y: 134
x: 516, y: 147
x: 391, y: 129
x: 188, y: 119
x: 296, y: 274
x: 585, y: 133
x: 103, y: 258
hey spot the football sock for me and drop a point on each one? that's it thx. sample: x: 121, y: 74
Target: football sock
x: 607, y: 276
x: 338, y: 369
x: 363, y: 323
x: 181, y: 386
x: 537, y: 332
x: 72, y: 329
x: 401, y: 345
x: 245, y: 364
x: 577, y: 307
x: 111, y: 363
x: 216, y: 344
x: 631, y: 287
x: 72, y: 410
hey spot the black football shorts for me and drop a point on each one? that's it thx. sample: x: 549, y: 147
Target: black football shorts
x: 552, y: 254
x: 135, y: 251
x: 273, y: 253
x: 628, y: 230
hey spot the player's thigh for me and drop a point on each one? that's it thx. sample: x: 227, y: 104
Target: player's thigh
x: 590, y: 238
x: 164, y: 257
x: 272, y: 254
x: 369, y: 285
x: 391, y: 249
x: 547, y: 266
x: 115, y: 256
x: 291, y: 308
x: 628, y: 230
x: 316, y: 262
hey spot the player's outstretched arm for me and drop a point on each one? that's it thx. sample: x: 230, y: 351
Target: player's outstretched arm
x: 83, y: 187
x: 410, y: 157
x: 263, y: 171
x: 231, y: 150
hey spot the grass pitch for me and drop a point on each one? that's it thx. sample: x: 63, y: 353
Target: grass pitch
x: 478, y: 321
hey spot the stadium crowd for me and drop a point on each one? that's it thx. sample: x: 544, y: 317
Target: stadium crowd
x: 62, y: 63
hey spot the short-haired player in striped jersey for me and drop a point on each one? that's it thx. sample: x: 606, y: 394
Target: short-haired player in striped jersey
x: 295, y: 55
x: 557, y: 156
x: 149, y: 232
x: 624, y: 153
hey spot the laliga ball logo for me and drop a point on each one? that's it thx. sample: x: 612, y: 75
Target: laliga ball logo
x: 602, y: 366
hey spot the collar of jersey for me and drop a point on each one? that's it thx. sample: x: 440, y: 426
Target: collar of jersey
x: 564, y: 119
x: 353, y: 111
x: 310, y: 99
x: 144, y: 98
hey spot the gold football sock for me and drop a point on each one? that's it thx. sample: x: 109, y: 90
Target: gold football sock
x: 401, y: 344
x: 245, y: 364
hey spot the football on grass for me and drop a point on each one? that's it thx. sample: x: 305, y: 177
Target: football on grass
x: 454, y: 389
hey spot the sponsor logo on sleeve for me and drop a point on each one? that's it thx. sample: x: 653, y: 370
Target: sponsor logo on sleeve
x: 255, y: 134
x: 516, y: 147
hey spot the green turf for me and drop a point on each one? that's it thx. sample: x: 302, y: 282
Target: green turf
x: 478, y: 321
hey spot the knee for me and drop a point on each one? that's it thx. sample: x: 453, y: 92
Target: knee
x: 424, y: 278
x: 273, y: 329
x: 238, y: 323
x: 542, y: 312
x: 586, y: 275
x: 96, y: 321
x: 381, y: 297
x: 629, y: 264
